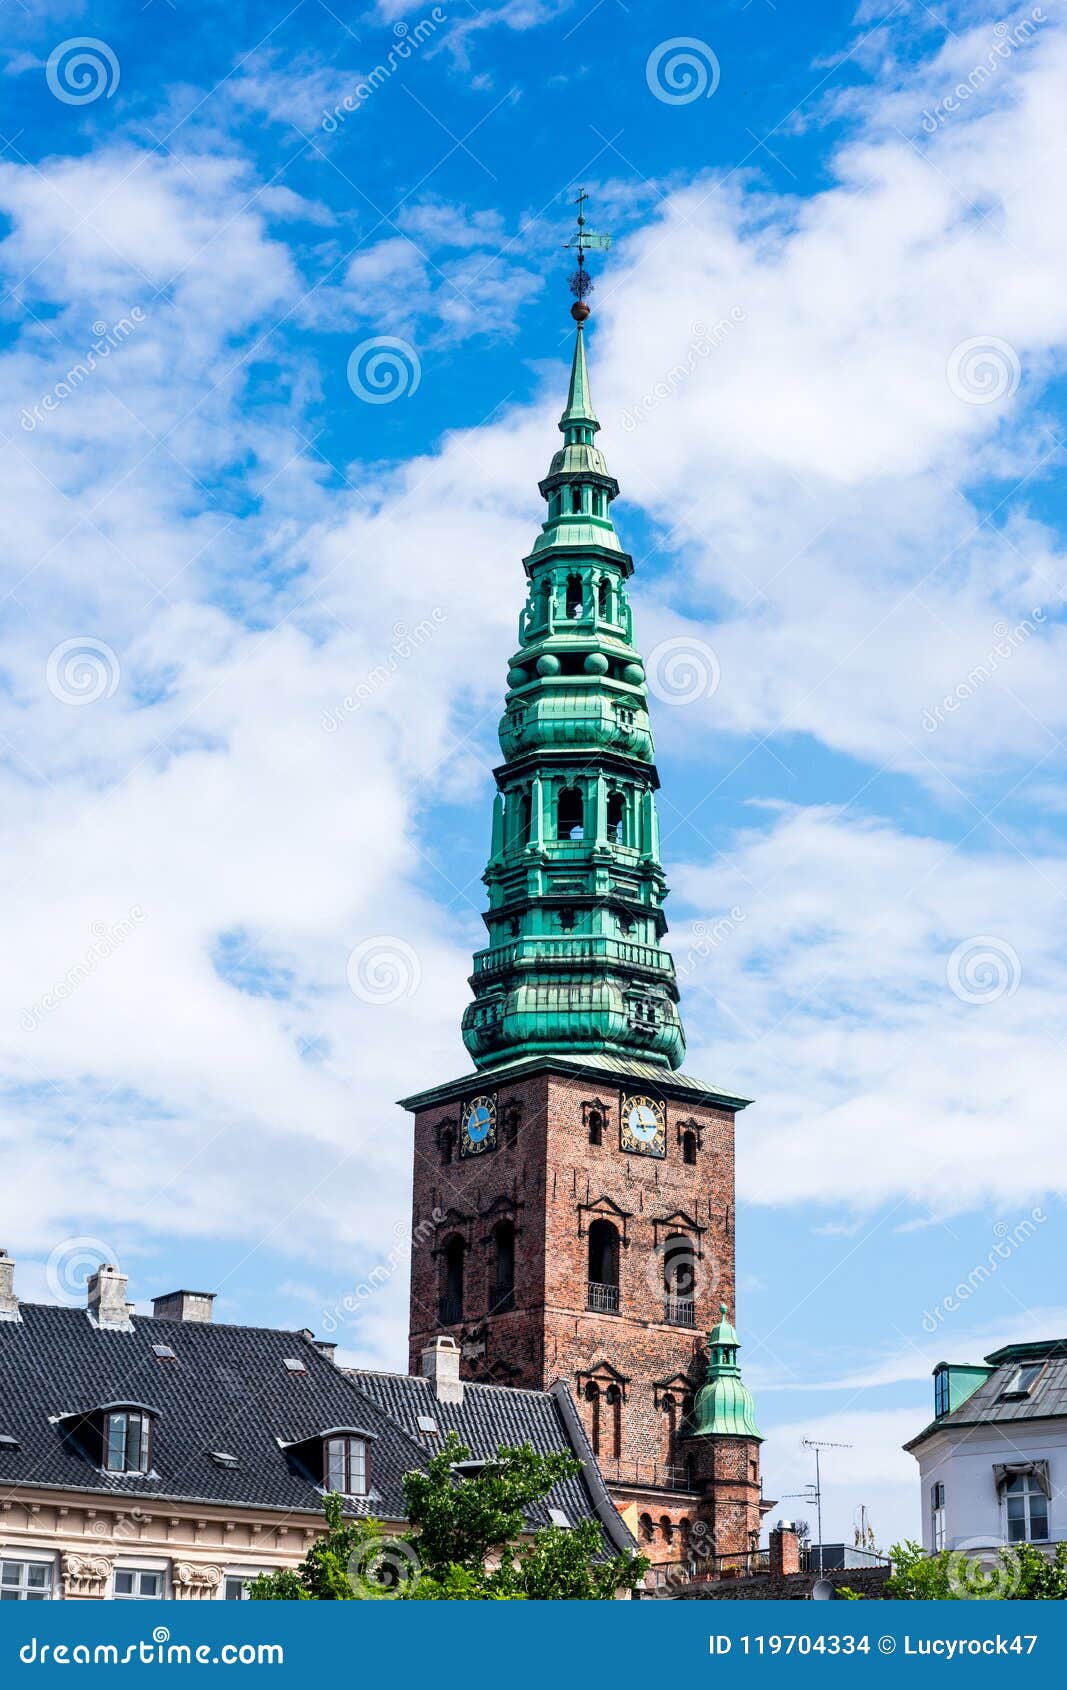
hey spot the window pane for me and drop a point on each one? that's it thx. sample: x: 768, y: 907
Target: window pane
x: 38, y: 1575
x: 1038, y: 1519
x: 134, y: 1442
x: 9, y: 1595
x: 116, y: 1443
x: 1018, y: 1484
x: 1016, y: 1531
x: 123, y: 1584
x: 151, y: 1584
x: 357, y: 1462
x: 235, y: 1590
x: 9, y: 1573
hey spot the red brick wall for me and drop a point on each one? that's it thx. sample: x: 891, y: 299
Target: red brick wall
x: 553, y: 1183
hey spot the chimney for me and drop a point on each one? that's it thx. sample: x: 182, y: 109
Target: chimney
x: 107, y: 1296
x: 784, y: 1554
x: 184, y: 1305
x: 325, y: 1348
x: 9, y: 1303
x: 440, y: 1362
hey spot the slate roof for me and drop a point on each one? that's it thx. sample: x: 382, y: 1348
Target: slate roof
x: 989, y: 1406
x: 591, y: 1064
x: 229, y: 1389
x: 492, y: 1415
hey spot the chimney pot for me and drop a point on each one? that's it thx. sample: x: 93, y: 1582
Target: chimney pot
x: 440, y: 1362
x: 107, y: 1296
x: 184, y: 1305
x: 9, y: 1303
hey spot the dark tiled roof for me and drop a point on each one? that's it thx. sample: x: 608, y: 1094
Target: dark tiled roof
x: 229, y: 1389
x: 989, y: 1406
x: 492, y: 1415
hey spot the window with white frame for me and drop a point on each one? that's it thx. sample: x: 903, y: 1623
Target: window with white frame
x: 1027, y: 1510
x: 25, y: 1581
x: 235, y: 1587
x: 127, y: 1435
x: 346, y: 1466
x: 138, y: 1584
x: 1024, y: 1379
x: 937, y: 1517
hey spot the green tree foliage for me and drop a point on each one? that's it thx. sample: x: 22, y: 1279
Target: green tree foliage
x: 463, y: 1543
x: 1018, y: 1573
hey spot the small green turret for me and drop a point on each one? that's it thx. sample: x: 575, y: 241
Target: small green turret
x: 724, y: 1406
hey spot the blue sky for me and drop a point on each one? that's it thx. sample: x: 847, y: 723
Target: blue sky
x: 255, y: 631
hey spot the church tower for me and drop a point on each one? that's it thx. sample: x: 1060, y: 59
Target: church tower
x: 573, y: 1212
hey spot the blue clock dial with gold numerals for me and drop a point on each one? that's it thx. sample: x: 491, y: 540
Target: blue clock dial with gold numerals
x: 478, y: 1126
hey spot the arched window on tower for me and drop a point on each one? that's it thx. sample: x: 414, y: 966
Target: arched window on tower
x: 576, y: 501
x: 448, y: 1145
x: 613, y: 1398
x: 525, y: 817
x: 596, y: 1127
x: 570, y: 815
x: 592, y: 1397
x: 450, y: 1309
x: 679, y: 1281
x: 617, y: 818
x: 502, y: 1289
x: 603, y: 597
x: 689, y: 1147
x: 604, y: 1267
x: 645, y: 1528
x: 574, y: 596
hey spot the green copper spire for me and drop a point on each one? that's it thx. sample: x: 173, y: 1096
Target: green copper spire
x: 724, y: 1405
x: 579, y: 415
x: 574, y: 960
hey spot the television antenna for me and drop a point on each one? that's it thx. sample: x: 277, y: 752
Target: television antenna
x: 818, y: 1445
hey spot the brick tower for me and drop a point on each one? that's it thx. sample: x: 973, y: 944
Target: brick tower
x: 573, y: 1210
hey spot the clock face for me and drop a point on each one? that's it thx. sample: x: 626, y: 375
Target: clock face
x: 643, y: 1129
x: 478, y: 1126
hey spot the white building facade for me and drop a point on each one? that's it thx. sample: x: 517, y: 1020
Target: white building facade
x: 993, y: 1462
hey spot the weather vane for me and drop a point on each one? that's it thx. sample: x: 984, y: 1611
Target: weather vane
x: 583, y: 241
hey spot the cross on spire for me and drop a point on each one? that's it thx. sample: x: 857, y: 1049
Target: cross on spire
x: 582, y: 241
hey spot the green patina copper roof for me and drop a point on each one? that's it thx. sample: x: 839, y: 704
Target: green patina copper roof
x: 575, y: 960
x: 579, y: 399
x: 724, y: 1406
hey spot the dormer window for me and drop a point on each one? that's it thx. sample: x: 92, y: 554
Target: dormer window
x: 127, y: 1441
x: 1024, y: 1379
x: 345, y: 1465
